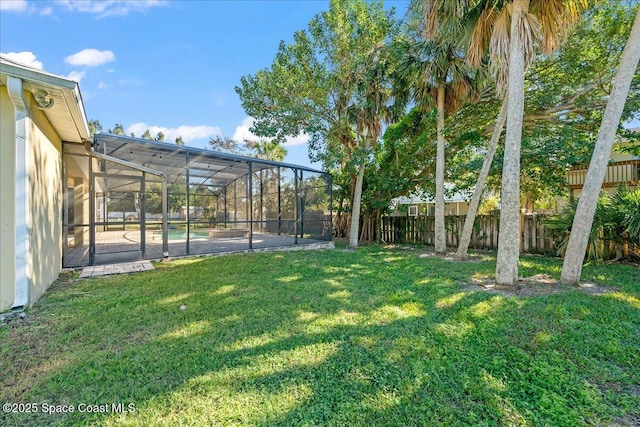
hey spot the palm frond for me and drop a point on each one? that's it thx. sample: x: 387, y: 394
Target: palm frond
x: 627, y: 203
x: 431, y: 18
x: 562, y: 223
x: 500, y: 47
x: 557, y: 17
x: 481, y: 36
x: 531, y: 32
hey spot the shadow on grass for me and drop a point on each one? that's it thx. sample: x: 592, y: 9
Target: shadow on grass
x: 323, y: 338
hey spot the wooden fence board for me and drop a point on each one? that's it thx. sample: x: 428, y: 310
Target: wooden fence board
x: 534, y: 237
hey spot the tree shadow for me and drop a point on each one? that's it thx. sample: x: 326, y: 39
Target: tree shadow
x: 339, y: 339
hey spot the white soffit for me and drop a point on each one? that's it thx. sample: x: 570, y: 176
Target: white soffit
x: 66, y: 115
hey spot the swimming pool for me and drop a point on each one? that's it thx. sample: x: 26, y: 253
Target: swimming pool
x: 182, y: 235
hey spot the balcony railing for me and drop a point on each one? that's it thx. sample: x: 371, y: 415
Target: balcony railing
x: 623, y: 172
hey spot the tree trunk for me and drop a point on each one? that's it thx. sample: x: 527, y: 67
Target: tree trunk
x: 583, y: 220
x: 440, y: 236
x: 355, y: 208
x: 339, y: 229
x: 509, y: 241
x: 378, y: 226
x: 470, y: 219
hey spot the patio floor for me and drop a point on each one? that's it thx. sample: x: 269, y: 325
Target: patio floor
x: 121, y: 268
x: 125, y: 246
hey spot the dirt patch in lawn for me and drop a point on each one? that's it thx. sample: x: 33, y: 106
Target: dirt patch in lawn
x: 540, y: 284
x: 452, y: 257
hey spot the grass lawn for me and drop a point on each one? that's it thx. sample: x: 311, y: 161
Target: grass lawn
x: 380, y: 337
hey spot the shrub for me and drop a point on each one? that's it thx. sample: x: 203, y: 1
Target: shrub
x: 616, y: 222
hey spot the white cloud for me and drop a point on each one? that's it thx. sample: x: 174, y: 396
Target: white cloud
x: 14, y: 5
x: 301, y: 139
x: 26, y: 58
x: 76, y: 76
x: 103, y: 9
x: 243, y: 133
x: 188, y: 133
x: 102, y: 85
x: 90, y: 57
x: 46, y: 11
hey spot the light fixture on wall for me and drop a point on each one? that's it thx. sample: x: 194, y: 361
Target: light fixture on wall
x: 40, y: 95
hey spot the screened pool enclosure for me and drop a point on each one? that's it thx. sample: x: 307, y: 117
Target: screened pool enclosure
x: 129, y: 199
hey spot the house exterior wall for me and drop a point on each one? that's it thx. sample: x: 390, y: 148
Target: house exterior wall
x: 428, y: 208
x: 45, y: 183
x: 611, y: 179
x: 45, y: 210
x: 7, y: 188
x: 616, y: 174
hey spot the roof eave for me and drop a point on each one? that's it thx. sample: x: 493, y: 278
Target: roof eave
x: 69, y: 88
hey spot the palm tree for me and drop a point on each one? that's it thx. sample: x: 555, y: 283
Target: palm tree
x: 269, y: 150
x: 511, y: 31
x: 435, y: 68
x: 372, y: 109
x: 509, y: 242
x: 572, y: 266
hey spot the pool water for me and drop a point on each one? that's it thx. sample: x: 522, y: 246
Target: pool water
x: 182, y: 235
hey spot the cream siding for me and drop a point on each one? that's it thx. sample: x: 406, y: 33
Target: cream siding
x: 45, y: 186
x: 45, y: 183
x: 7, y: 167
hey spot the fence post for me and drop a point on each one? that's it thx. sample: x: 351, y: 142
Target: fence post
x: 534, y: 234
x: 534, y: 238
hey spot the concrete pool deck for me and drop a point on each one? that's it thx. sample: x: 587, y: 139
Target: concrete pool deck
x: 123, y: 242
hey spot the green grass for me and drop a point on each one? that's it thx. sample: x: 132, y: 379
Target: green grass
x: 379, y: 337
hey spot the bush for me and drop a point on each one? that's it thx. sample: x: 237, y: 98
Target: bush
x: 616, y: 223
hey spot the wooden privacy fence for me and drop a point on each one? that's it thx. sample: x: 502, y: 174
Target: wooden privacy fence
x: 534, y: 236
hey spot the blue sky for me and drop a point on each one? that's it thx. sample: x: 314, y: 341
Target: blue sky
x: 168, y: 66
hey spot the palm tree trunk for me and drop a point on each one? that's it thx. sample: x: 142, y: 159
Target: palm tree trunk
x: 465, y: 237
x: 440, y: 238
x: 583, y: 220
x: 355, y: 207
x: 509, y: 241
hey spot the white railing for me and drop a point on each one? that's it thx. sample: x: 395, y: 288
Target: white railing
x: 623, y: 172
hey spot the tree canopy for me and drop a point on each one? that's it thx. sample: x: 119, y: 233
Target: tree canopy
x: 329, y: 83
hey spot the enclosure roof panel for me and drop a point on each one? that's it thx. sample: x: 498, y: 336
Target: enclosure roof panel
x: 207, y: 166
